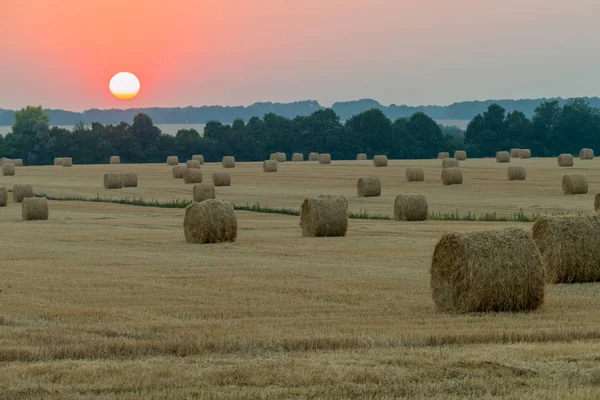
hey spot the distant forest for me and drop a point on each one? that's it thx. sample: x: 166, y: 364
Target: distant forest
x: 344, y: 110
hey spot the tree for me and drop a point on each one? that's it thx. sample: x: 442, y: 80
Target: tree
x: 147, y: 136
x: 427, y: 136
x: 30, y: 120
x: 546, y: 120
x: 369, y: 132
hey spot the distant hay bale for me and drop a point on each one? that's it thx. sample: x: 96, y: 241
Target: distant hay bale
x: 380, y: 161
x: 221, y: 178
x: 565, y: 160
x: 502, y: 157
x: 199, y: 158
x: 115, y: 160
x: 516, y: 173
x: 313, y: 156
x: 228, y: 162
x: 67, y: 162
x: 192, y: 175
x: 460, y: 155
x: 172, y: 160
x: 597, y: 203
x: 272, y: 156
x: 270, y: 166
x: 18, y: 162
x: 415, y: 174
x: 524, y: 153
x: 5, y: 160
x: 130, y: 179
x: 443, y: 154
x: 113, y: 180
x: 570, y: 247
x: 211, y: 221
x: 297, y: 157
x: 34, y: 209
x: 586, y: 154
x: 514, y: 153
x: 58, y: 161
x: 495, y: 270
x: 195, y: 164
x: 368, y: 186
x: 21, y: 192
x: 449, y: 163
x: 3, y: 197
x: 204, y: 191
x: 575, y: 184
x: 280, y: 157
x: 325, y: 158
x: 410, y: 207
x: 8, y: 169
x: 361, y: 156
x: 324, y: 216
x: 452, y: 176
x: 178, y: 171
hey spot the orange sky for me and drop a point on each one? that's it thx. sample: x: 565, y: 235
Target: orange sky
x: 62, y: 53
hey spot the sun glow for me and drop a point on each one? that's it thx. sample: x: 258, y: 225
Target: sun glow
x: 124, y: 85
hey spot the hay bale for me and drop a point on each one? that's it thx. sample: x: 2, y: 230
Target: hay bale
x: 516, y: 173
x: 34, y: 209
x: 324, y: 216
x: 272, y: 156
x: 130, y: 179
x: 18, y: 162
x: 193, y: 175
x: 514, y: 153
x: 313, y: 156
x: 597, y: 203
x: 565, y: 160
x: 368, y: 186
x: 410, y: 207
x: 586, y: 154
x: 172, y: 160
x: 228, y: 162
x: 361, y: 156
x: 460, y: 155
x: 575, y: 184
x: 280, y: 157
x: 502, y: 157
x: 270, y: 166
x: 193, y: 164
x: 443, y: 154
x: 8, y: 169
x: 524, y: 153
x: 21, y: 192
x: 415, y: 174
x: 113, y: 180
x: 3, y: 197
x: 570, y: 247
x: 452, y: 176
x: 58, y: 161
x: 115, y: 160
x: 449, y: 163
x: 380, y: 161
x: 495, y: 270
x: 325, y: 158
x: 204, y: 191
x: 199, y: 158
x: 221, y: 178
x: 67, y: 162
x: 211, y: 221
x: 178, y: 171
x: 297, y: 157
x: 5, y: 160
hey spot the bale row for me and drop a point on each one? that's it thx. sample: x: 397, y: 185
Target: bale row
x: 66, y: 162
x: 368, y: 186
x: 115, y: 160
x: 172, y: 160
x: 113, y: 180
x: 408, y: 207
x: 415, y: 174
x: 5, y: 160
x: 524, y: 153
x: 514, y: 153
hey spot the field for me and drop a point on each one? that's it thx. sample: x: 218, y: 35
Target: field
x: 108, y: 301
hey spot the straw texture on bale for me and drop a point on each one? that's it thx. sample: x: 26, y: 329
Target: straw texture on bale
x: 460, y: 155
x: 192, y: 175
x: 449, y: 163
x: 3, y: 197
x: 221, y: 179
x: 5, y: 160
x: 199, y: 158
x: 8, y: 169
x: 130, y: 179
x: 115, y: 160
x: 443, y: 154
x: 586, y: 154
x: 502, y: 157
x: 58, y: 161
x: 211, y: 221
x: 597, y: 203
x: 514, y: 153
x: 415, y: 174
x: 452, y: 176
x: 325, y: 158
x: 172, y: 160
x: 570, y: 247
x: 368, y: 186
x: 18, y: 162
x: 193, y: 164
x: 361, y: 156
x: 296, y: 157
x: 380, y: 161
x: 496, y: 270
x: 113, y: 180
x: 21, y: 192
x: 270, y: 166
x: 178, y: 171
x: 204, y: 191
x: 565, y: 160
x: 228, y: 162
x: 34, y: 209
x: 516, y: 173
x: 575, y: 184
x: 67, y: 162
x: 272, y: 156
x: 313, y: 156
x: 324, y: 216
x: 410, y: 207
x: 524, y: 153
x: 280, y: 157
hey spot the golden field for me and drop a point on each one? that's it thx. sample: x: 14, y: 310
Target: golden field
x: 108, y: 301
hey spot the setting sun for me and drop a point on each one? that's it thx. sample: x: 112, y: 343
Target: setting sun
x: 124, y: 85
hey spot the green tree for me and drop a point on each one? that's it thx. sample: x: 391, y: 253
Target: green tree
x: 427, y: 136
x: 147, y: 136
x: 30, y: 120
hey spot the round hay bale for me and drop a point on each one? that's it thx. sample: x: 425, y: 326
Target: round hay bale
x: 228, y: 162
x: 449, y: 163
x: 565, y: 160
x: 199, y: 158
x: 280, y: 157
x: 516, y: 173
x: 3, y: 197
x: 368, y: 186
x: 524, y: 153
x: 597, y: 203
x: 130, y: 179
x: 21, y: 192
x: 443, y: 154
x: 460, y: 155
x: 221, y: 178
x: 178, y: 171
x: 211, y: 221
x: 18, y: 162
x: 324, y: 216
x: 575, y: 184
x: 313, y: 156
x: 495, y: 270
x: 586, y: 154
x: 272, y: 156
x: 570, y: 247
x: 204, y: 191
x: 415, y: 174
x: 502, y: 157
x: 514, y: 153
x: 270, y: 166
x: 334, y: 196
x: 5, y: 160
x: 380, y: 161
x: 325, y: 158
x: 58, y: 161
x: 193, y: 164
x: 8, y: 169
x: 410, y: 207
x: 193, y: 175
x: 34, y: 209
x: 172, y: 160
x: 297, y: 157
x: 115, y: 160
x: 113, y: 180
x: 67, y: 162
x: 361, y: 156
x: 452, y: 176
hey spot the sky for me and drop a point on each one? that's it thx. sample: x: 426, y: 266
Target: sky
x: 62, y: 53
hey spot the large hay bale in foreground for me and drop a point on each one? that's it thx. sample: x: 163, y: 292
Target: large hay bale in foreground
x: 452, y: 176
x: 597, y: 203
x: 221, y: 178
x: 8, y: 169
x: 586, y: 154
x: 449, y: 163
x: 502, y: 157
x: 380, y: 161
x: 280, y: 157
x: 130, y: 179
x: 199, y: 158
x: 66, y: 162
x: 368, y: 186
x: 524, y: 153
x: 361, y: 156
x: 516, y: 173
x: 565, y: 160
x: 21, y: 192
x: 514, y: 153
x: 570, y: 247
x: 324, y: 216
x: 297, y: 157
x: 313, y: 156
x: 58, y: 161
x: 575, y: 184
x: 172, y: 160
x: 192, y: 175
x: 496, y: 270
x: 34, y: 209
x: 3, y: 197
x: 195, y: 164
x: 325, y: 158
x: 410, y: 207
x: 113, y: 180
x: 178, y: 171
x: 115, y: 160
x: 270, y: 166
x: 460, y: 155
x: 211, y: 221
x: 228, y: 162
x: 415, y: 174
x: 204, y: 191
x: 18, y: 162
x: 443, y: 154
